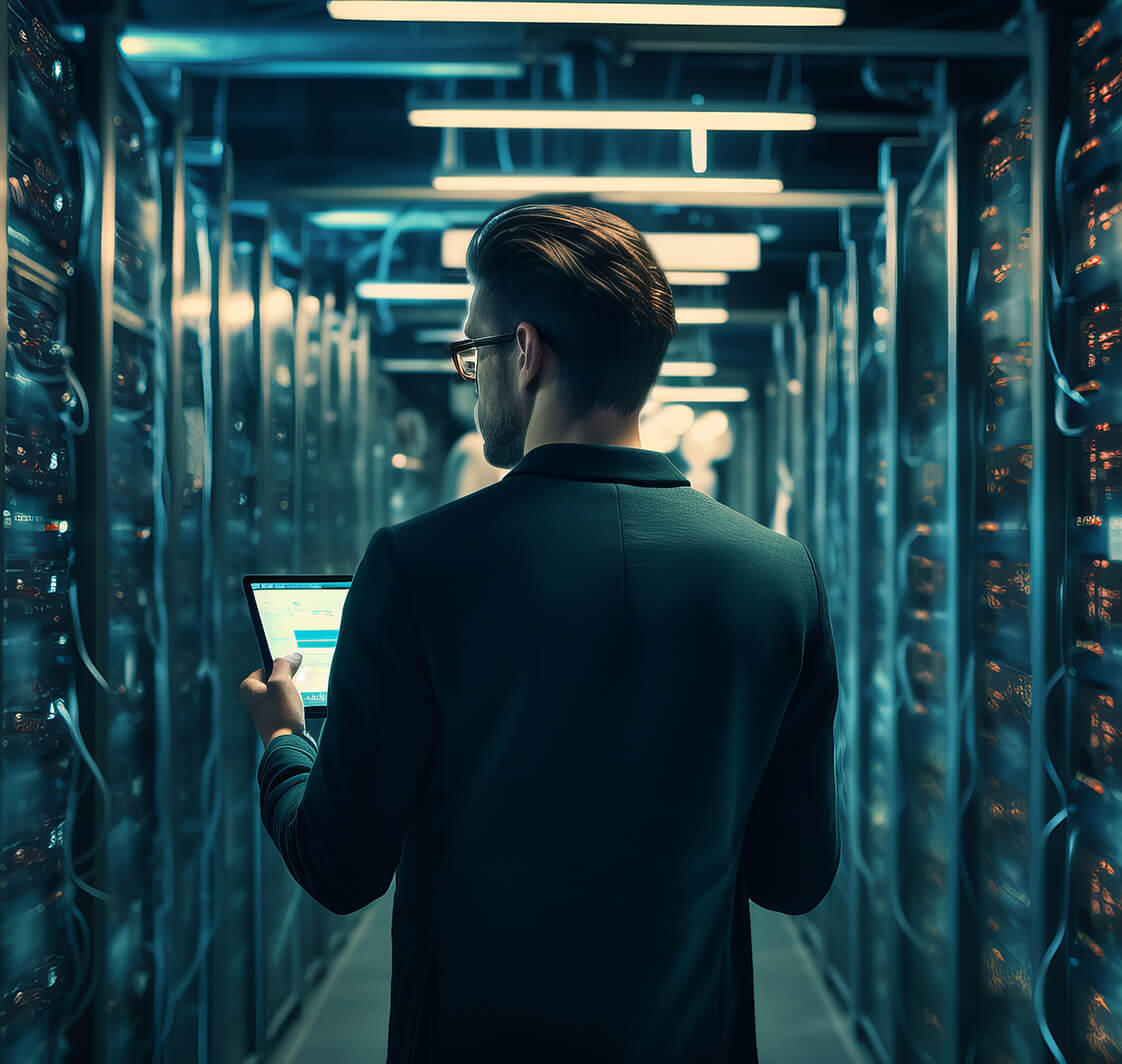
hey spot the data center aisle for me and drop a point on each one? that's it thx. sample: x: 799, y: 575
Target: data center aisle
x: 345, y: 1019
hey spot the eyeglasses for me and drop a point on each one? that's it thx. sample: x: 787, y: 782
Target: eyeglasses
x: 463, y: 352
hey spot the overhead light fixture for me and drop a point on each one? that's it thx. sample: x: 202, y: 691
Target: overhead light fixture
x: 797, y: 13
x: 500, y: 114
x: 680, y: 254
x: 699, y: 149
x: 356, y: 219
x: 527, y: 184
x: 700, y: 195
x: 416, y: 365
x: 685, y: 394
x: 412, y: 291
x: 444, y: 365
x: 694, y: 277
x: 701, y: 315
x: 275, y: 51
x: 688, y: 369
x: 705, y: 251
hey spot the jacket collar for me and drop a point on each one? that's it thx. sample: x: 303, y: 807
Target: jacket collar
x: 594, y: 461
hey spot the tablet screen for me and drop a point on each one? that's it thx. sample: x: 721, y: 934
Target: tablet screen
x: 303, y: 616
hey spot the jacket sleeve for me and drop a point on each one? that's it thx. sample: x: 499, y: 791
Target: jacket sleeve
x: 339, y: 820
x: 792, y: 845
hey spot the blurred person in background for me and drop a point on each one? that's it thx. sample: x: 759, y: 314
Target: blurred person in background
x: 585, y: 714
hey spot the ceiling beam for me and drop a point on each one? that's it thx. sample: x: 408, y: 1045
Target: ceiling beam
x: 347, y: 195
x: 930, y: 44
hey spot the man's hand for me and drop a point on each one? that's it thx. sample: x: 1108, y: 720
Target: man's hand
x: 276, y: 706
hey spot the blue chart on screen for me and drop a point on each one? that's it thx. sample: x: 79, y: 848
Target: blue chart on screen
x: 303, y: 617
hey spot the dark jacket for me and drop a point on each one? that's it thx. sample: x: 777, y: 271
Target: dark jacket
x: 585, y: 714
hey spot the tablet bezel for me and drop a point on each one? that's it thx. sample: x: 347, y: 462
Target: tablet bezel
x: 259, y: 628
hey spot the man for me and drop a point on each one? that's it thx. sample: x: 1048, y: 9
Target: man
x: 585, y: 713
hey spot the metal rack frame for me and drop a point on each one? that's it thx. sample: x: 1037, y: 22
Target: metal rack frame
x: 93, y: 363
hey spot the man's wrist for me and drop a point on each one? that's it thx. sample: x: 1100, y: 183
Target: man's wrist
x: 279, y: 731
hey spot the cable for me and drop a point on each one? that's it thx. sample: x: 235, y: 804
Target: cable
x: 502, y: 136
x: 84, y: 753
x: 86, y: 952
x: 103, y: 830
x: 775, y: 79
x: 1059, y: 180
x: 1057, y: 941
x: 80, y: 395
x: 670, y: 90
x: 79, y: 640
x: 409, y: 218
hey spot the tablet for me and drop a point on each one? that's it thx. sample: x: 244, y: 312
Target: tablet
x: 299, y: 613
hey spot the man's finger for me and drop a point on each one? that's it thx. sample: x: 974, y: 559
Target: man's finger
x: 254, y: 683
x: 284, y: 667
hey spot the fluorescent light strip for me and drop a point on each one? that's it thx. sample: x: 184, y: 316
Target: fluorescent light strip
x: 444, y: 365
x: 411, y: 291
x: 591, y: 117
x: 701, y: 315
x: 357, y: 219
x: 692, y: 277
x: 688, y: 369
x: 437, y: 336
x: 699, y: 149
x: 686, y: 394
x: 686, y: 252
x: 416, y: 365
x: 583, y: 13
x: 530, y: 183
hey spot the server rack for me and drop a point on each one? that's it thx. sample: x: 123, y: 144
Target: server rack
x: 924, y: 636
x: 996, y: 393
x: 830, y: 344
x: 1090, y: 272
x: 44, y: 937
x: 194, y: 691
x: 871, y: 776
x: 237, y: 528
x: 277, y: 968
x: 121, y: 547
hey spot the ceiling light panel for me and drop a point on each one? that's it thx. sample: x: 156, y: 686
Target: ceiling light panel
x: 701, y: 315
x: 686, y: 394
x: 618, y: 115
x: 798, y: 13
x: 693, y: 258
x: 412, y: 292
x: 600, y: 183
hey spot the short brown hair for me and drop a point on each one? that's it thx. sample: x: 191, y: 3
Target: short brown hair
x: 587, y: 280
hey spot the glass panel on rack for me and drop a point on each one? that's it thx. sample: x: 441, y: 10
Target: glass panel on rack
x: 1093, y: 192
x: 134, y: 435
x: 238, y: 508
x: 875, y: 658
x: 1095, y: 113
x: 1000, y: 576
x: 44, y: 410
x: 43, y: 61
x: 926, y: 827
x: 1096, y: 253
